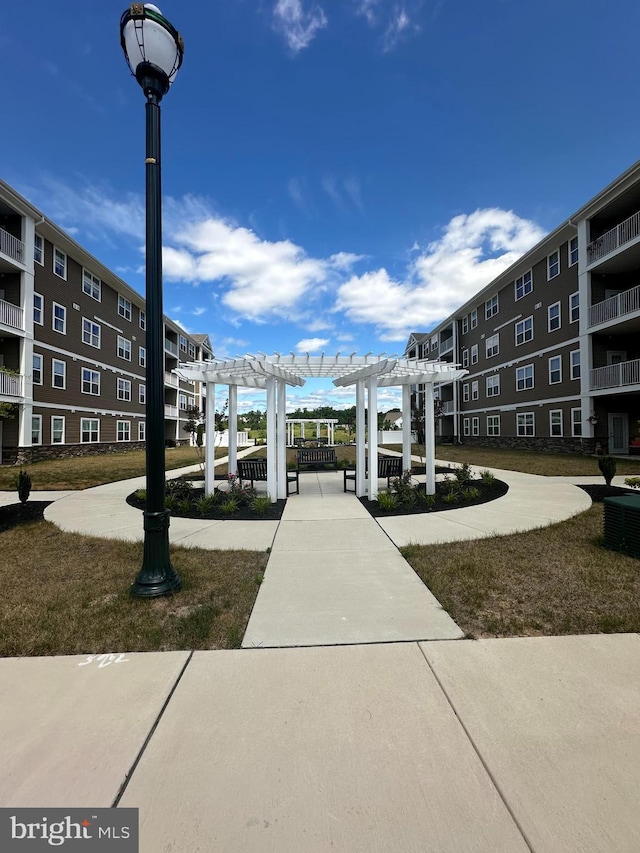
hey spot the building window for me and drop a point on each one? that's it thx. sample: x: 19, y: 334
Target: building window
x: 524, y: 331
x: 90, y: 381
x: 465, y: 324
x: 493, y: 424
x: 493, y: 345
x: 38, y: 309
x: 524, y: 285
x: 182, y: 401
x: 575, y: 363
x: 124, y: 348
x: 553, y: 265
x: 36, y: 429
x: 473, y: 317
x: 555, y: 422
x: 60, y: 263
x: 124, y: 389
x: 491, y: 307
x: 59, y: 323
x: 58, y: 373
x: 89, y: 430
x: 574, y: 307
x: 91, y: 285
x: 573, y: 251
x: 465, y: 426
x: 123, y: 431
x: 524, y: 377
x: 183, y: 343
x: 143, y: 320
x: 474, y: 354
x: 124, y: 307
x: 465, y: 392
x: 576, y: 422
x: 142, y: 357
x: 142, y: 393
x: 37, y: 369
x: 553, y: 317
x: 192, y: 350
x: 525, y: 424
x: 142, y: 431
x: 555, y: 369
x: 475, y: 426
x: 493, y: 385
x: 90, y: 333
x: 38, y: 249
x: 57, y: 430
x: 465, y: 358
x: 474, y: 390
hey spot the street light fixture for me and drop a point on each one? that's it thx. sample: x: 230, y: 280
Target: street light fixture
x: 153, y: 49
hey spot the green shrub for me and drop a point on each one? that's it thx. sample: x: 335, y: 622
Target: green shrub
x: 429, y: 501
x: 607, y: 465
x: 229, y: 506
x: 387, y: 501
x: 463, y: 473
x: 487, y: 478
x: 184, y: 505
x: 260, y: 504
x: 23, y: 486
x: 471, y: 493
x: 450, y: 498
x: 633, y: 482
x: 177, y: 489
x: 449, y: 486
x: 206, y: 503
x: 140, y: 494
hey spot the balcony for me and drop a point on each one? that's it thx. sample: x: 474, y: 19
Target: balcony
x: 171, y: 347
x: 170, y: 379
x: 10, y: 386
x: 448, y: 407
x: 171, y: 412
x: 11, y: 246
x: 11, y: 315
x: 615, y: 375
x: 446, y: 346
x: 623, y: 233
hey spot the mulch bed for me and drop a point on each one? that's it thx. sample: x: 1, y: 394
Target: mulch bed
x: 598, y: 492
x: 273, y: 513
x: 487, y: 493
x: 14, y: 514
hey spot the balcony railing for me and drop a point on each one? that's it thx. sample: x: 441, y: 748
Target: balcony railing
x: 10, y: 245
x: 10, y: 386
x: 615, y: 306
x: 447, y: 407
x: 616, y: 375
x: 171, y: 411
x: 623, y: 233
x: 11, y: 315
x: 446, y: 346
x: 171, y: 347
x: 170, y: 379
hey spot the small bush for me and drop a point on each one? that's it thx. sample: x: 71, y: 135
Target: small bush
x: 449, y: 486
x: 261, y: 504
x: 471, y: 493
x: 428, y: 500
x: 177, y: 489
x: 140, y: 494
x: 387, y: 501
x: 23, y: 486
x: 463, y: 473
x: 206, y: 503
x: 607, y: 465
x: 487, y: 477
x: 229, y: 506
x: 184, y: 505
x: 450, y: 498
x: 633, y: 482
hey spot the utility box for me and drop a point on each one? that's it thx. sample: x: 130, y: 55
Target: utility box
x: 622, y: 524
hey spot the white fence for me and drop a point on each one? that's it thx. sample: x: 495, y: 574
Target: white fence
x: 616, y: 375
x: 615, y: 306
x: 393, y: 436
x: 10, y: 245
x: 11, y: 315
x: 611, y: 240
x: 10, y: 386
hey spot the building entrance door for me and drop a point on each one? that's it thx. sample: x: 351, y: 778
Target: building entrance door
x: 618, y: 433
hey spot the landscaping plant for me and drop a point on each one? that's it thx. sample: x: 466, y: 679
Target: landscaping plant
x: 23, y: 486
x: 607, y: 465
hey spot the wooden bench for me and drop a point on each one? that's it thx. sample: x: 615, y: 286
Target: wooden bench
x: 256, y: 469
x: 314, y: 456
x: 388, y: 466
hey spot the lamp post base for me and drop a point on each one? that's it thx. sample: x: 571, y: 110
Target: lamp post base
x: 157, y: 576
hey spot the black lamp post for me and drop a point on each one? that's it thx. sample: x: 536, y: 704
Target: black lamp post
x: 153, y: 50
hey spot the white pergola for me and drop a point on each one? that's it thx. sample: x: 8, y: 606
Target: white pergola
x: 274, y: 373
x: 330, y: 424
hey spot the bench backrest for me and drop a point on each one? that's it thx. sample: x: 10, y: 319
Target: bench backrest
x: 316, y: 454
x: 252, y: 469
x: 390, y: 466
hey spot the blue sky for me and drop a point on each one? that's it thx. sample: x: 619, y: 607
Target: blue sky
x: 336, y: 173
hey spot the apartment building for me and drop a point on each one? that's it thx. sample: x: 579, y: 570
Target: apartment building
x: 73, y: 347
x: 551, y: 345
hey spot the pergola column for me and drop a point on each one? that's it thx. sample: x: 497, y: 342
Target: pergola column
x: 281, y: 428
x: 360, y: 440
x: 406, y: 427
x: 233, y: 429
x: 372, y: 407
x: 210, y: 439
x: 272, y: 477
x: 430, y: 440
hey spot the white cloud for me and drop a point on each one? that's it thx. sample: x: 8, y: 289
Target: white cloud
x: 474, y: 249
x: 299, y: 26
x: 396, y: 28
x: 368, y: 9
x: 312, y: 344
x: 198, y: 312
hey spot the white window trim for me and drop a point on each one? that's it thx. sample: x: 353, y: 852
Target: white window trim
x: 521, y: 279
x: 142, y: 319
x: 465, y: 324
x: 62, y: 387
x: 118, y: 425
x: 63, y: 419
x: 94, y: 280
x: 466, y: 426
x: 142, y: 394
x: 142, y: 356
x: 524, y: 415
x: 571, y: 295
x: 474, y: 354
x: 39, y: 322
x: 533, y: 378
x: 573, y: 423
x: 39, y: 419
x: 494, y: 425
x: 573, y: 365
x: 53, y: 318
x: 473, y: 318
x: 66, y: 263
x: 557, y: 305
x: 489, y: 389
x: 465, y: 358
x: 89, y: 420
x: 489, y: 306
x: 522, y: 323
x: 493, y: 343
x: 99, y: 335
x: 551, y: 433
x: 127, y: 308
x: 571, y: 263
x: 555, y: 275
x: 90, y: 381
x: 124, y: 349
x: 555, y: 381
x: 123, y: 387
x: 475, y: 390
x: 41, y: 369
x: 465, y: 392
x: 41, y: 238
x: 142, y: 431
